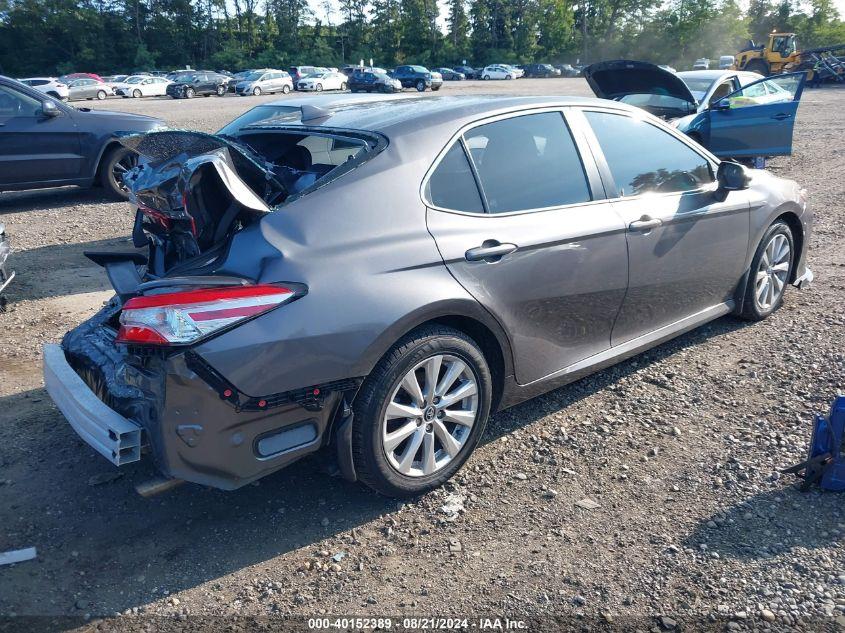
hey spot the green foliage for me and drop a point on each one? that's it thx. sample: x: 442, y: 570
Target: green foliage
x: 107, y: 36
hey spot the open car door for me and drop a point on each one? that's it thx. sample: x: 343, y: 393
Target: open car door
x: 756, y: 120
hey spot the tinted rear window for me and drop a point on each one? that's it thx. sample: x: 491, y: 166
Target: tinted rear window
x: 528, y: 162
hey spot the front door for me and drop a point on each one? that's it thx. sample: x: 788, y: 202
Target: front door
x: 33, y: 147
x: 687, y: 250
x: 514, y: 217
x: 757, y: 120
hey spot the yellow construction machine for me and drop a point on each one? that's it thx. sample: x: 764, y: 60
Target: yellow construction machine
x: 780, y: 54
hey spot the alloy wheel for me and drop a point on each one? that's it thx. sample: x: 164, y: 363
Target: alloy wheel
x: 772, y: 272
x: 121, y: 167
x: 430, y: 415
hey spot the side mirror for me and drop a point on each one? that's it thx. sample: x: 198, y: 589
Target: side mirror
x: 731, y: 177
x: 50, y: 109
x: 722, y: 104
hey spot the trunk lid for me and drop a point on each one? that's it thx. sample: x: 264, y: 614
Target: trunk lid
x: 641, y: 84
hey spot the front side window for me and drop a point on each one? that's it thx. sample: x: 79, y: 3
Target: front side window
x: 772, y: 90
x: 645, y: 159
x: 16, y: 104
x: 527, y: 162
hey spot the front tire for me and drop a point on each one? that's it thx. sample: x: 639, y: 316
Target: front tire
x: 486, y: 77
x: 189, y: 93
x: 256, y: 92
x: 420, y: 86
x: 221, y: 90
x: 101, y: 94
x: 421, y: 412
x: 136, y: 93
x: 770, y: 272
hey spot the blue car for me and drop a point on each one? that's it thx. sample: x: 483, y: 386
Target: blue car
x: 734, y: 114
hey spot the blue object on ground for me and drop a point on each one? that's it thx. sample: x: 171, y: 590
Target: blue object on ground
x: 825, y: 462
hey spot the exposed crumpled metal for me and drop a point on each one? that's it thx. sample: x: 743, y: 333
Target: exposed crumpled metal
x: 170, y: 158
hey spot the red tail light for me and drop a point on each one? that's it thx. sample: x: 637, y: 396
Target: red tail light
x: 177, y: 318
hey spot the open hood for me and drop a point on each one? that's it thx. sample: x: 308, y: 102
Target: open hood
x: 641, y: 84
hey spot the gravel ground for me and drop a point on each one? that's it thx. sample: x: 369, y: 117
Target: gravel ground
x: 678, y: 448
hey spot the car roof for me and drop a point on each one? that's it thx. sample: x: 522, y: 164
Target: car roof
x: 391, y: 113
x: 715, y: 75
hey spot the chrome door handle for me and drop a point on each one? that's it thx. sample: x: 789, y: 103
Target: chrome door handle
x: 490, y: 251
x: 645, y: 223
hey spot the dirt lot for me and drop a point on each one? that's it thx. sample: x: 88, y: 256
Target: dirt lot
x: 679, y: 447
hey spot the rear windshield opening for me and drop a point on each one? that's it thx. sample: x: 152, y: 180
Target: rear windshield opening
x: 300, y: 161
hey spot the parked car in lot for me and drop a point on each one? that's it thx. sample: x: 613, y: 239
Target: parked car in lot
x: 369, y: 81
x: 567, y: 70
x: 323, y: 81
x: 734, y: 114
x: 541, y: 70
x: 496, y: 71
x: 87, y: 88
x: 701, y: 64
x: 467, y: 71
x: 138, y: 86
x: 49, y: 86
x: 418, y: 77
x: 70, y: 76
x: 46, y: 143
x: 726, y: 62
x: 450, y: 74
x: 517, y: 72
x: 193, y: 83
x: 268, y: 80
x: 297, y: 73
x: 605, y: 249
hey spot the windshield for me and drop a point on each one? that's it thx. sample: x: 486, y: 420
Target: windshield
x: 135, y: 80
x: 658, y: 104
x: 253, y: 76
x: 698, y: 86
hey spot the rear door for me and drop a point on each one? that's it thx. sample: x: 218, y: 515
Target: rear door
x: 756, y: 120
x: 517, y: 211
x: 687, y: 249
x: 33, y: 147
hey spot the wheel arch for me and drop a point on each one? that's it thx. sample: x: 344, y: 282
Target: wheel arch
x: 465, y: 316
x: 110, y: 144
x: 790, y: 217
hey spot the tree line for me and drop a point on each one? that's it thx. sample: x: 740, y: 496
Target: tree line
x: 109, y: 36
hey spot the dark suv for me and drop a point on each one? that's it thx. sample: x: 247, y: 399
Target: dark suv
x: 198, y: 82
x: 418, y: 77
x: 367, y: 81
x: 540, y: 70
x: 45, y: 143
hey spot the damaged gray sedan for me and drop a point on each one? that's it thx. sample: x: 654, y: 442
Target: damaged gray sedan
x: 378, y: 275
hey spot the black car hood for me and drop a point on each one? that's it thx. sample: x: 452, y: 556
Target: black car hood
x: 125, y: 117
x: 618, y: 78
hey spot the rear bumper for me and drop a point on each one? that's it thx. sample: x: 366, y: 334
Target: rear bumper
x: 198, y: 426
x: 105, y: 430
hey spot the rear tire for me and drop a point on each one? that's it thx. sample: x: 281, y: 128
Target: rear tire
x: 343, y: 86
x: 770, y: 273
x: 378, y: 461
x: 285, y: 89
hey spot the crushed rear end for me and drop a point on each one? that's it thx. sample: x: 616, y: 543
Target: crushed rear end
x: 131, y: 380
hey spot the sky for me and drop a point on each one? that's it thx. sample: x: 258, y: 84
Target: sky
x: 318, y: 7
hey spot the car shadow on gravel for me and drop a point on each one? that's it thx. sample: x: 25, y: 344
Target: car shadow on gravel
x: 60, y: 270
x: 529, y: 412
x: 105, y: 548
x: 52, y: 198
x: 772, y: 523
